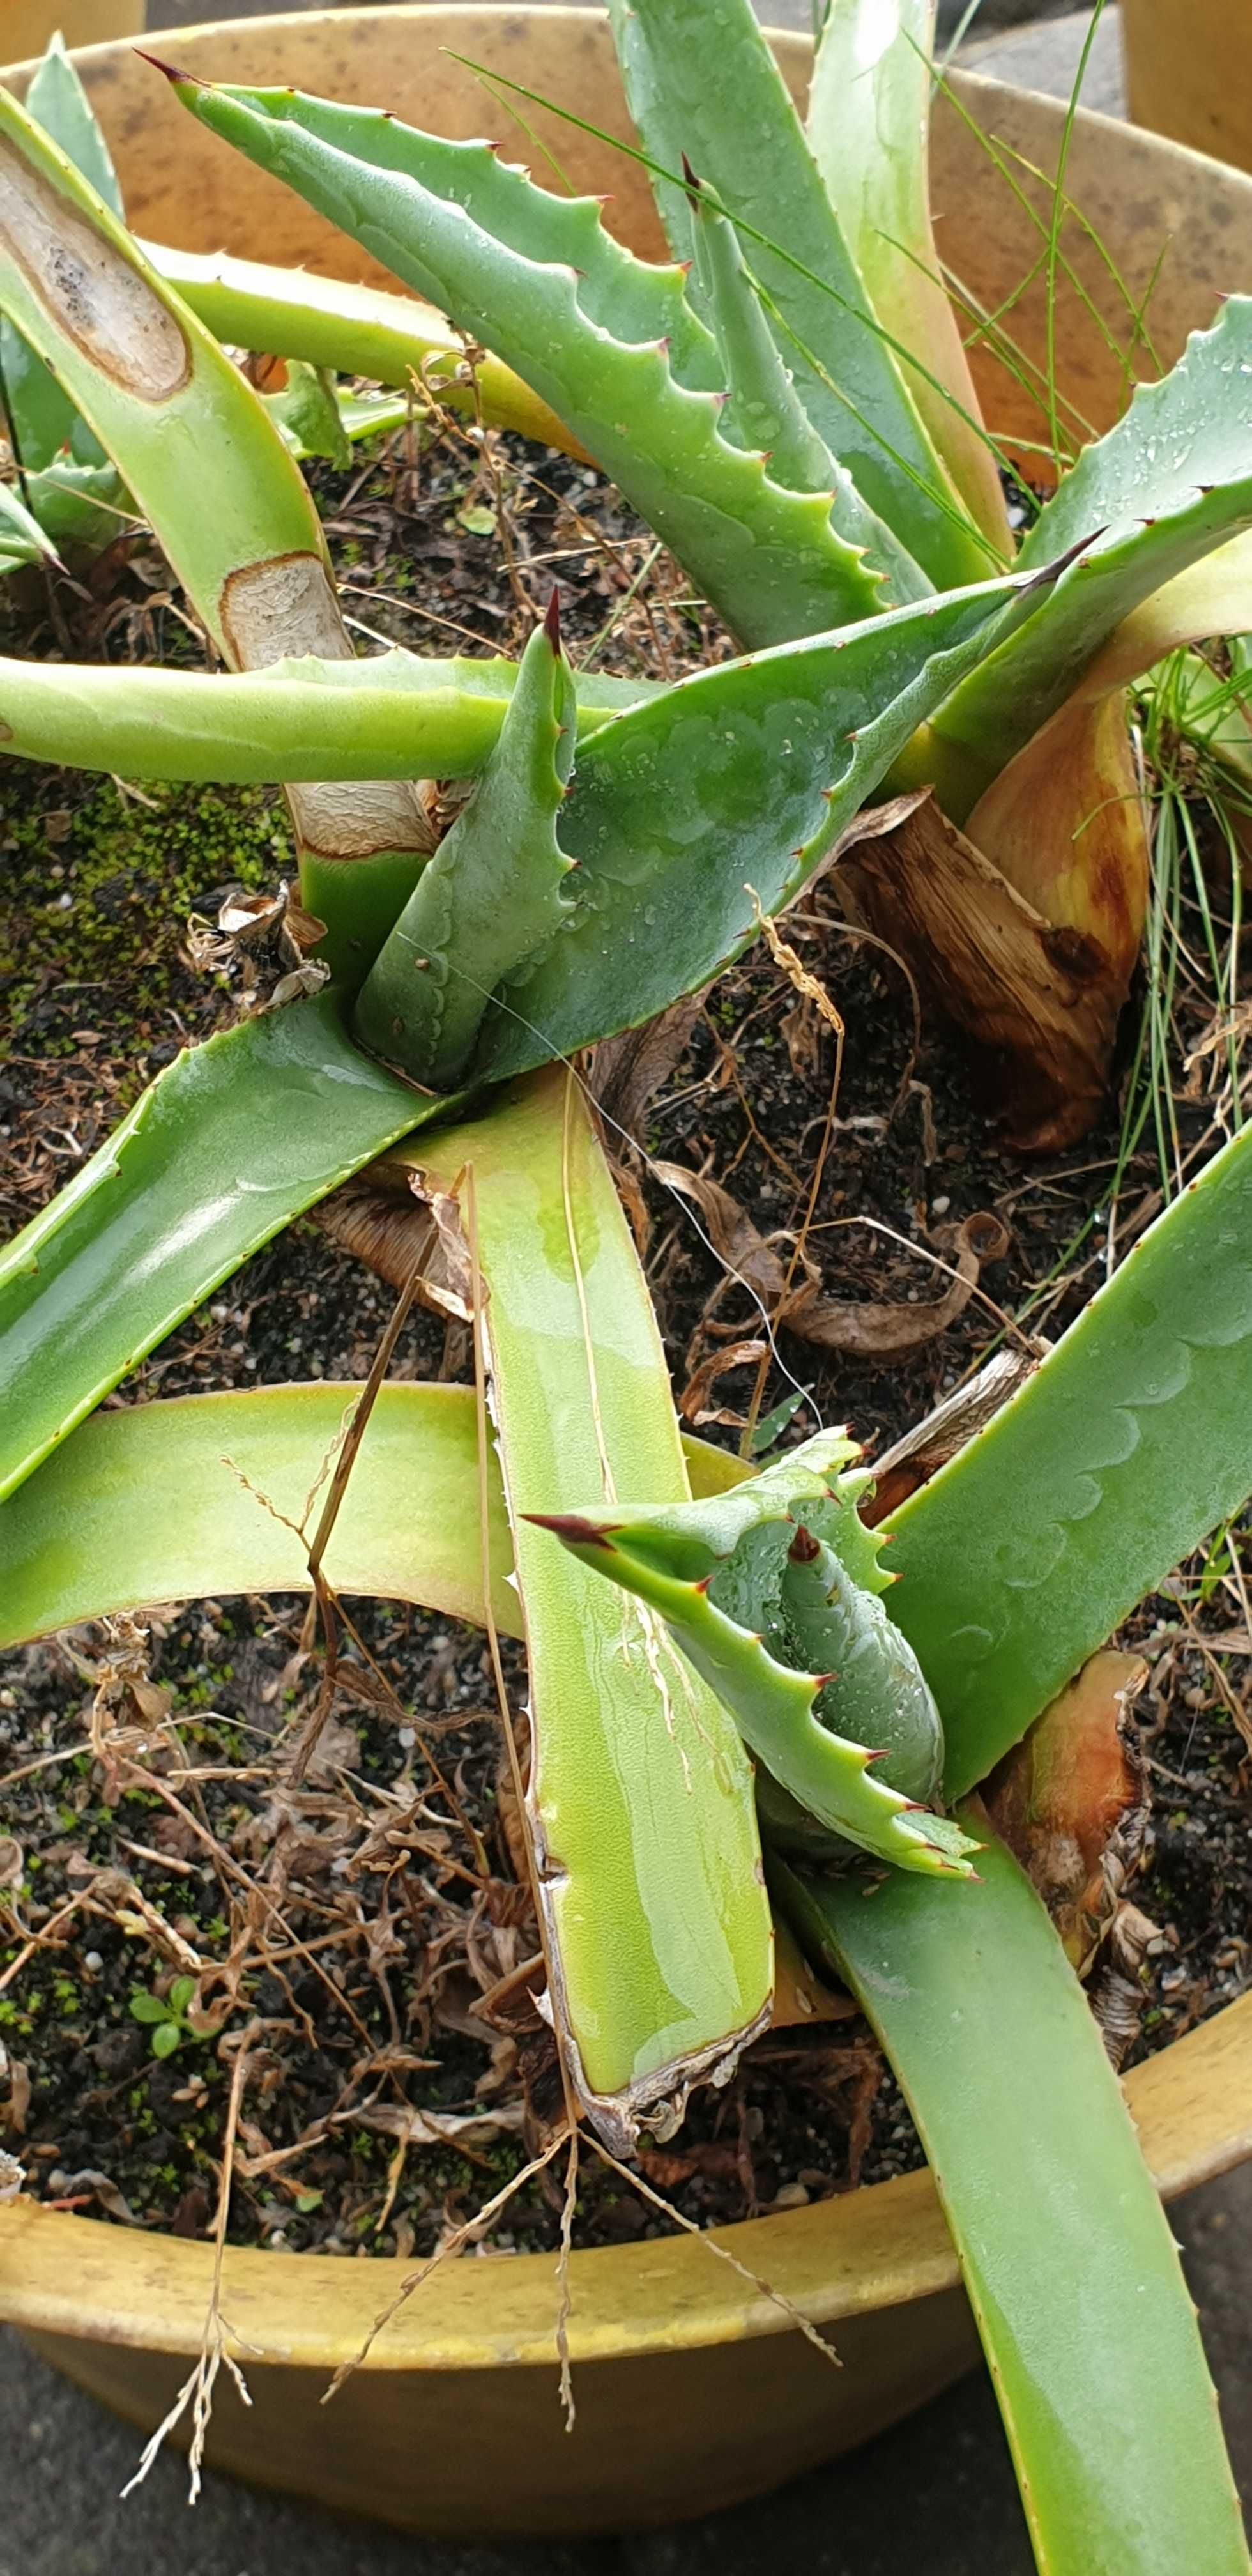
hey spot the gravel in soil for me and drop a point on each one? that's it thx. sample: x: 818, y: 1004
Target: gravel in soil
x: 202, y: 1849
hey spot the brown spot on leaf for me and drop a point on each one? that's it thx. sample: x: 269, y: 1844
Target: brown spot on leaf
x: 87, y: 287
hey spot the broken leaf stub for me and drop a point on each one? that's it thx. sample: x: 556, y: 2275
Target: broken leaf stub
x: 774, y: 1592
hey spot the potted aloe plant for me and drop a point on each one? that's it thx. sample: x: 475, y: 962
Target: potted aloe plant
x: 433, y: 1027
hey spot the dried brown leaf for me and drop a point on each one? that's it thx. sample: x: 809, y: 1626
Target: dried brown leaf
x: 914, y: 1459
x: 734, y: 1237
x: 1038, y: 1002
x: 877, y: 1331
x: 693, y: 1402
x: 417, y: 2128
x: 1061, y: 1798
x: 13, y: 2113
x: 628, y: 1071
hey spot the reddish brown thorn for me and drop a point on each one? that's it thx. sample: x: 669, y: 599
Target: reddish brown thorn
x: 804, y: 1547
x: 689, y: 175
x: 1049, y: 573
x: 169, y: 70
x: 552, y: 620
x: 569, y: 1526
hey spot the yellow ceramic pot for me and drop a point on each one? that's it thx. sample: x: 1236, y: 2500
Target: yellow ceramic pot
x: 1189, y: 72
x: 453, y: 2425
x: 25, y: 25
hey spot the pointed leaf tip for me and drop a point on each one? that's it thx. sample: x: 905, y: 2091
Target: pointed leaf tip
x: 170, y: 70
x: 552, y: 620
x: 1051, y: 572
x: 693, y: 183
x: 569, y: 1527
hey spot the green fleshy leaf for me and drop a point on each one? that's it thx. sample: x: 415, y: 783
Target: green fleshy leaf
x: 229, y: 1143
x: 1169, y: 484
x: 763, y: 409
x: 204, y: 1495
x: 22, y: 537
x: 773, y: 1594
x: 307, y: 412
x: 715, y: 92
x: 44, y: 418
x: 1115, y: 1460
x: 1071, y: 2269
x: 207, y: 465
x: 640, y: 1793
x: 740, y: 777
x: 299, y: 719
x: 57, y: 101
x: 148, y: 2009
x: 491, y: 896
x: 166, y: 2039
x: 867, y: 126
x: 607, y: 340
x: 80, y: 505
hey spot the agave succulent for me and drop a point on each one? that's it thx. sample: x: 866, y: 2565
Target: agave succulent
x: 436, y: 1054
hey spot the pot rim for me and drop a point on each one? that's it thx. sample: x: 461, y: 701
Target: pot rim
x: 790, y: 41
x: 878, y: 2247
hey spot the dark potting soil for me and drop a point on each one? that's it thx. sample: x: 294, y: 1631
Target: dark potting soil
x: 360, y: 1919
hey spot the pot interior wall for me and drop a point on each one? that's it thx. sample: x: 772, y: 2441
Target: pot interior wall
x: 1145, y: 202
x: 1189, y: 72
x: 26, y: 25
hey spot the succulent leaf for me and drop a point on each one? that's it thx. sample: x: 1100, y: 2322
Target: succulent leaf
x: 764, y: 1592
x: 209, y: 1494
x: 868, y: 129
x: 43, y: 416
x: 640, y: 1802
x: 197, y: 1495
x: 301, y: 718
x: 743, y: 776
x: 1054, y: 2216
x: 307, y: 412
x: 763, y: 411
x: 1126, y: 1447
x: 195, y: 446
x: 607, y: 340
x: 718, y: 95
x: 22, y: 538
x: 230, y: 1142
x: 1170, y: 484
x: 491, y: 896
x: 56, y: 99
x: 355, y: 330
